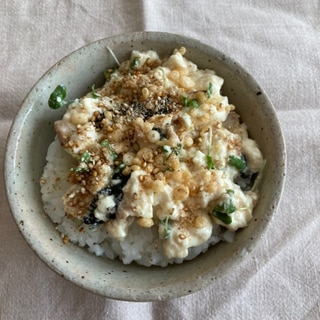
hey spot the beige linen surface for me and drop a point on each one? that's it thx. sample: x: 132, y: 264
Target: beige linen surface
x: 278, y: 42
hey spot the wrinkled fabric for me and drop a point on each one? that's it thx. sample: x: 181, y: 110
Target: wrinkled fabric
x: 278, y: 42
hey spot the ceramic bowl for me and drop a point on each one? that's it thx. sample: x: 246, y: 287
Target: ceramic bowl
x: 32, y: 132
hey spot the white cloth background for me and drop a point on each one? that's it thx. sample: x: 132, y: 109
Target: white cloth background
x: 278, y: 41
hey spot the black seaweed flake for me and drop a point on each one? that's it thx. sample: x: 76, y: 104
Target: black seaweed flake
x: 115, y: 190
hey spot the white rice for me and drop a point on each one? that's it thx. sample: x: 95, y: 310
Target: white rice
x: 142, y: 245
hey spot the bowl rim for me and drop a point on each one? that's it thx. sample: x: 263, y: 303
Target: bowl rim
x: 13, y: 141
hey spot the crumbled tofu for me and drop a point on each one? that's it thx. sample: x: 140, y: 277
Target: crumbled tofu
x: 153, y: 145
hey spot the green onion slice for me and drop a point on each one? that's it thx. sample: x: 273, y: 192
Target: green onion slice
x: 106, y: 144
x: 210, y: 164
x: 209, y: 90
x: 166, y: 228
x: 223, y: 210
x: 134, y: 63
x: 237, y: 162
x: 193, y: 103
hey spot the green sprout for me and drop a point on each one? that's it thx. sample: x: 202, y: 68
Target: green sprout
x: 57, y: 97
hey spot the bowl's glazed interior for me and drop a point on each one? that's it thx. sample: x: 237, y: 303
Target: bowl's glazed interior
x: 32, y: 132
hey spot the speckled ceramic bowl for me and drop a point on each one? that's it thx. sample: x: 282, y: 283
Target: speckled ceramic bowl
x: 32, y: 132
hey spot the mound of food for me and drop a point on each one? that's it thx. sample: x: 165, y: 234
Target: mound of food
x: 154, y: 167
